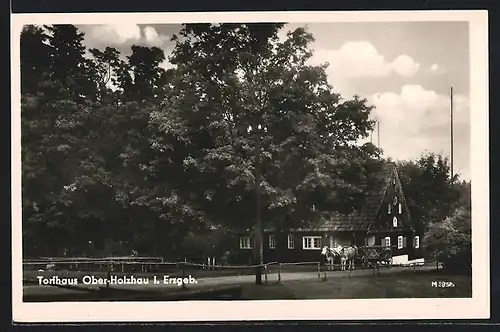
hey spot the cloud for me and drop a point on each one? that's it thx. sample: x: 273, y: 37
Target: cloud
x: 405, y: 65
x: 122, y: 36
x: 417, y: 120
x: 125, y: 35
x: 435, y: 67
x: 113, y: 34
x: 361, y: 59
x: 153, y: 38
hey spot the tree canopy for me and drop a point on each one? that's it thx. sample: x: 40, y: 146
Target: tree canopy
x: 442, y: 206
x: 432, y: 194
x: 120, y: 154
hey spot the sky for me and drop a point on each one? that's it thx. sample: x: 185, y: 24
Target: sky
x: 403, y: 69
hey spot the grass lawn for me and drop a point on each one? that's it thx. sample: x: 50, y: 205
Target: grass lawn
x: 400, y: 285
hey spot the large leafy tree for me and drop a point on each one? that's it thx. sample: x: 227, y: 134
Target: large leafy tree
x: 233, y: 77
x: 54, y: 115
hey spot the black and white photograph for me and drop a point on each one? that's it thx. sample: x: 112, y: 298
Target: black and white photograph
x: 206, y: 166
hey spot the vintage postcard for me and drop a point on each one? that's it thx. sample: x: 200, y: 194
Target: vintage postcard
x: 250, y: 166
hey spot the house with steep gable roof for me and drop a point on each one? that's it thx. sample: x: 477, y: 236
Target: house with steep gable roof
x: 384, y: 219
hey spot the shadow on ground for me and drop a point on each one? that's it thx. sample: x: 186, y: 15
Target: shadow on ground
x: 425, y: 284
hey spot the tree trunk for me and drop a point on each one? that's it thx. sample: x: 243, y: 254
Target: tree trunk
x: 258, y: 221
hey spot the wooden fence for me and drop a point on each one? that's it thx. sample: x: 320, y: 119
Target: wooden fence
x: 272, y: 270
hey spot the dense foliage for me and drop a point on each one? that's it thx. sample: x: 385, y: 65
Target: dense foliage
x: 432, y: 194
x: 120, y: 154
x: 442, y: 205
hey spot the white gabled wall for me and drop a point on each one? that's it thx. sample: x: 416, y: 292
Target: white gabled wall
x: 401, y: 259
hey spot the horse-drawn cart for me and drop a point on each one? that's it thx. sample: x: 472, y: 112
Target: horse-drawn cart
x: 374, y: 256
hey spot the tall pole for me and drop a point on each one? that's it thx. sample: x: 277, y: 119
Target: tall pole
x: 451, y: 131
x: 378, y: 134
x: 258, y: 221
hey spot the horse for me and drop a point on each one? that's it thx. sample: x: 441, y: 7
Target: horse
x: 330, y: 254
x: 347, y: 256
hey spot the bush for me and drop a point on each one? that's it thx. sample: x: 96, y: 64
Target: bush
x: 450, y: 240
x: 460, y: 262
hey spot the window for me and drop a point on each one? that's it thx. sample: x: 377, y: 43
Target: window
x: 395, y: 222
x: 311, y: 242
x: 400, y: 208
x: 245, y: 243
x: 400, y: 242
x: 291, y: 241
x: 389, y: 209
x: 272, y: 241
x: 405, y: 242
x: 417, y: 242
x: 387, y: 241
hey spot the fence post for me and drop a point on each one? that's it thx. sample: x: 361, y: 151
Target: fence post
x: 437, y: 263
x: 183, y: 276
x: 319, y: 273
x: 279, y: 273
x: 265, y: 273
x: 108, y: 277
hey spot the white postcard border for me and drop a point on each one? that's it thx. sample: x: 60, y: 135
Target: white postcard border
x: 356, y: 309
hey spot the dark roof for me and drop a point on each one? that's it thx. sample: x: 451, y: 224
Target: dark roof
x: 361, y: 219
